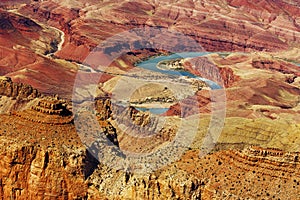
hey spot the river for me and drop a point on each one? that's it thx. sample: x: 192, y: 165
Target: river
x: 61, y: 33
x: 151, y: 64
x: 60, y: 44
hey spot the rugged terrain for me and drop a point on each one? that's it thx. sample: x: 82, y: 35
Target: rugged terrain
x: 53, y: 148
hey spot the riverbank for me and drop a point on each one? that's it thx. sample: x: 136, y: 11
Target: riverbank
x: 154, y: 108
x: 153, y: 65
x: 176, y: 64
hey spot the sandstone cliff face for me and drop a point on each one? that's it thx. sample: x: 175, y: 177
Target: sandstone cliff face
x: 31, y: 169
x: 205, y: 68
x: 142, y: 128
x: 32, y: 172
x: 161, y: 185
x: 226, y: 174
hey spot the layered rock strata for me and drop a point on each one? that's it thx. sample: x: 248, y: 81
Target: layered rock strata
x: 260, y: 28
x: 47, y: 110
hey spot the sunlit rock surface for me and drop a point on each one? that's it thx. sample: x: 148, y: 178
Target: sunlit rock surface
x: 254, y: 55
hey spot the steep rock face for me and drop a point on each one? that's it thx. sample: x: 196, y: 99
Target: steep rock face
x: 179, y: 185
x: 238, y: 174
x: 37, y: 172
x: 24, y: 101
x: 31, y: 172
x: 143, y: 129
x: 103, y: 107
x: 203, y: 67
x: 42, y: 161
x: 17, y: 90
x: 54, y: 170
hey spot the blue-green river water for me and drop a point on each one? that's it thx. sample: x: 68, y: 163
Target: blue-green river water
x: 151, y: 64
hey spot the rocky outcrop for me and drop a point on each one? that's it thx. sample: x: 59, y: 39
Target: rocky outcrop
x: 137, y: 122
x: 42, y: 161
x: 238, y: 174
x: 47, y: 110
x: 32, y: 172
x: 272, y: 154
x: 144, y: 131
x: 103, y: 107
x: 104, y: 114
x: 17, y: 90
x: 52, y: 107
x: 205, y: 68
x: 139, y: 118
x: 26, y: 169
x: 179, y: 185
x: 28, y: 103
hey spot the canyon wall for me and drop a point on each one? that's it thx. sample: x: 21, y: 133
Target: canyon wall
x: 259, y: 29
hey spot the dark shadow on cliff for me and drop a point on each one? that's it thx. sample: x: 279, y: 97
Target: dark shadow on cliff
x: 91, y: 164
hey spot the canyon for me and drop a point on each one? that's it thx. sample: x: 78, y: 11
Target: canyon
x: 71, y: 85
